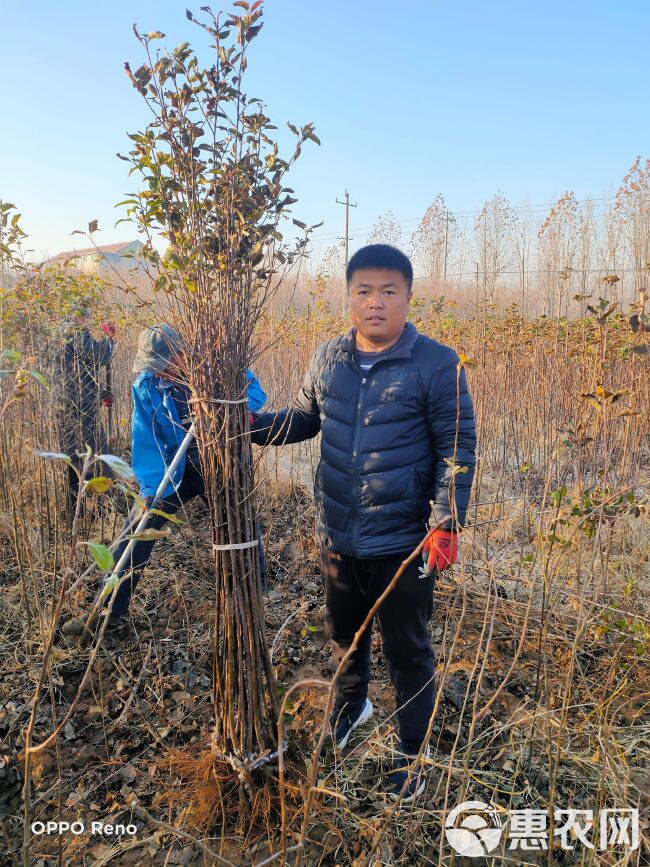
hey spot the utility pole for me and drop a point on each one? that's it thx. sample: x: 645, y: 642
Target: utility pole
x: 346, y: 239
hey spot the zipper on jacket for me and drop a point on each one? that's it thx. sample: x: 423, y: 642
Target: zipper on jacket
x: 356, y: 437
x: 355, y: 456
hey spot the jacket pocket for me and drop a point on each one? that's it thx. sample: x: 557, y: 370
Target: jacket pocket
x: 421, y: 498
x: 417, y: 487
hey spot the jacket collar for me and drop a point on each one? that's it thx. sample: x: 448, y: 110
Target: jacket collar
x: 402, y: 349
x: 159, y: 381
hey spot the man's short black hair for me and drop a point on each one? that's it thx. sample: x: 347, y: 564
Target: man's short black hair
x: 382, y: 256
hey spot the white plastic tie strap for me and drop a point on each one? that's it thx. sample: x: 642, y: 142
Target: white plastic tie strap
x: 235, y: 546
x: 216, y: 400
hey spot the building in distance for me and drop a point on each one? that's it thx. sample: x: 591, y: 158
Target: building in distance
x: 101, y: 260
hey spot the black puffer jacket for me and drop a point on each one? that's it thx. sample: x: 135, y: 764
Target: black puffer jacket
x: 387, y: 435
x: 81, y: 359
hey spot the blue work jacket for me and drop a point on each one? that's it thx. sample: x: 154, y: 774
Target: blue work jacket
x: 159, y: 424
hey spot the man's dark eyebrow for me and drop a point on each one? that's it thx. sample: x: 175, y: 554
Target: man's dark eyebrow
x: 368, y: 285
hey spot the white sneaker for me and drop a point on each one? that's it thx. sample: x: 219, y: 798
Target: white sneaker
x: 342, y: 725
x: 406, y: 772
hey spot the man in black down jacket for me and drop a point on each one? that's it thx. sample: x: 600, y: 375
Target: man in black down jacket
x: 398, y: 435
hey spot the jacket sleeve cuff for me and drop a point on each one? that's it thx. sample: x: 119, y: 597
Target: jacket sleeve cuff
x: 443, y: 517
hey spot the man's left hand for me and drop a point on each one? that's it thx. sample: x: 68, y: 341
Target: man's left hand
x: 440, y: 550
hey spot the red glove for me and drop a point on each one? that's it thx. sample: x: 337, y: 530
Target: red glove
x: 440, y: 550
x: 108, y: 328
x: 108, y: 399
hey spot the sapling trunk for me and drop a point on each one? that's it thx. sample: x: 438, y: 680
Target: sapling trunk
x: 214, y: 190
x: 244, y: 695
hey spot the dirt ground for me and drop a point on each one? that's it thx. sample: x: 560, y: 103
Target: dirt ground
x: 150, y: 696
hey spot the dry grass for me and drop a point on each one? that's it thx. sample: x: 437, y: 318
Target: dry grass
x: 541, y: 632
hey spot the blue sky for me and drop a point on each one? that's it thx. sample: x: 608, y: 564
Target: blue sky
x: 466, y: 98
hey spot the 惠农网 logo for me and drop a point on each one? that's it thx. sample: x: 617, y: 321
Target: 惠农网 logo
x: 474, y: 829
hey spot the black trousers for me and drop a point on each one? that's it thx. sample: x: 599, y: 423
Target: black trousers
x: 78, y: 430
x: 352, y: 586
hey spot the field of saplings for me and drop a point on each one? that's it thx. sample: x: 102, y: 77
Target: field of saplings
x: 541, y: 629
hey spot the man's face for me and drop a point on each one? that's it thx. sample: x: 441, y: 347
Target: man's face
x: 379, y: 304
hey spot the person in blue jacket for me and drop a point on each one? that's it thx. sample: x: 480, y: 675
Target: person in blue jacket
x: 161, y: 418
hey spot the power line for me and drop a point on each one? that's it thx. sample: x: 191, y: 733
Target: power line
x: 602, y: 201
x: 527, y: 271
